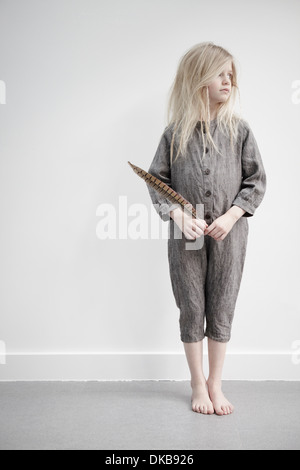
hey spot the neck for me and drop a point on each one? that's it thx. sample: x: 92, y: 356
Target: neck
x: 213, y: 112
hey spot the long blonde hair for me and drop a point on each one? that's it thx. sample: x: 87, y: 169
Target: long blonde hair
x: 189, y: 99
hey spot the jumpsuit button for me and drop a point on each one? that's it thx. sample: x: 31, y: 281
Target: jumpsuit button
x: 207, y: 171
x: 208, y: 193
x: 207, y: 216
x: 206, y: 150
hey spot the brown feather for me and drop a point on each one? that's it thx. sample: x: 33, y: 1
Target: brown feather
x: 164, y: 190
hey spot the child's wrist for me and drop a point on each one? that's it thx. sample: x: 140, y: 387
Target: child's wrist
x: 174, y: 213
x: 236, y: 212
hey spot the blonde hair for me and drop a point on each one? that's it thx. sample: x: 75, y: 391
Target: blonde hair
x: 189, y: 99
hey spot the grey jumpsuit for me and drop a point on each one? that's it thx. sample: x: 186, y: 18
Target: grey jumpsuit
x: 206, y: 281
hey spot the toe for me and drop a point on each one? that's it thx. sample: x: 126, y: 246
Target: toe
x: 197, y: 408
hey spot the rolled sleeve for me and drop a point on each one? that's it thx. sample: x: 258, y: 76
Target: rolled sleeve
x: 253, y: 186
x: 160, y: 168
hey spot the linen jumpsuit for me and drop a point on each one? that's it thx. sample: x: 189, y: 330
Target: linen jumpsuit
x: 206, y: 281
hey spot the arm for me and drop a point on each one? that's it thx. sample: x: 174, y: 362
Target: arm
x: 236, y: 212
x: 160, y: 168
x: 253, y: 185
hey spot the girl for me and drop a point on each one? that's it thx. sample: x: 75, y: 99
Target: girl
x: 210, y: 156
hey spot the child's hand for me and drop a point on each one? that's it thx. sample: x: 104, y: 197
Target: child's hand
x: 190, y: 227
x: 220, y: 227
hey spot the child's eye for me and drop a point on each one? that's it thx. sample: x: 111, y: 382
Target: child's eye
x: 229, y: 75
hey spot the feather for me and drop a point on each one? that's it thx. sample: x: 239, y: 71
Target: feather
x: 164, y: 190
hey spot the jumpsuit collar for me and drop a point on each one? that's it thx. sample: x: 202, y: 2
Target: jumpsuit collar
x: 212, y: 124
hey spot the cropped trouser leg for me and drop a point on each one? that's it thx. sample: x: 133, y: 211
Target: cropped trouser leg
x: 225, y: 266
x: 206, y: 282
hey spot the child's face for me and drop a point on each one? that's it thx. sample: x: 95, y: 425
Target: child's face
x: 219, y: 89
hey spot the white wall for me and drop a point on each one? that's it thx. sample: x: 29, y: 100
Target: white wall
x: 86, y: 91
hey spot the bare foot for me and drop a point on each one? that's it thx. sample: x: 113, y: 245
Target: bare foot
x: 221, y: 405
x: 200, y: 399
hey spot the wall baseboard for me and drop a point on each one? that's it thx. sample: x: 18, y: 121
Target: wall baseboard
x: 141, y: 366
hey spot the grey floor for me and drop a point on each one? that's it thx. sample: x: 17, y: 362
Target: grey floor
x: 146, y: 415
